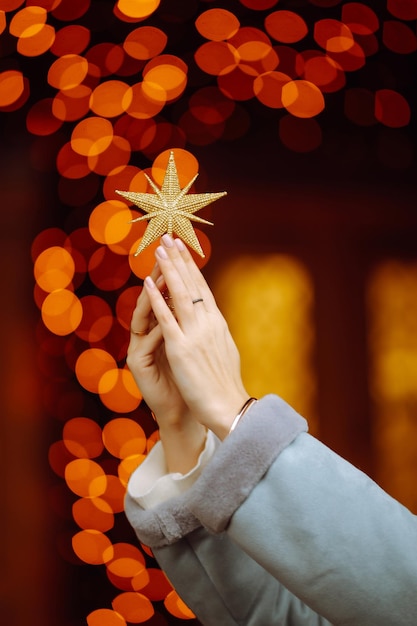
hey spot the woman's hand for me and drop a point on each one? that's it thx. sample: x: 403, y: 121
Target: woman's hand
x: 182, y: 436
x: 203, y: 358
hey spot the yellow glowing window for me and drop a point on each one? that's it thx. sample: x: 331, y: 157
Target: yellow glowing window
x: 268, y: 302
x: 392, y: 313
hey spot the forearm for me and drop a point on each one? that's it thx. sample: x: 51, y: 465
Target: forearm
x: 183, y: 443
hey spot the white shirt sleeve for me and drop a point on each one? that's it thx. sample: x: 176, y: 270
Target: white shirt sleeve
x: 150, y: 483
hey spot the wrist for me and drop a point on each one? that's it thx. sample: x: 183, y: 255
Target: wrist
x: 225, y: 420
x: 245, y: 407
x: 172, y: 418
x: 180, y: 428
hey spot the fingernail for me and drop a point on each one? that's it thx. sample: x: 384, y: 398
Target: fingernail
x: 180, y: 245
x: 167, y: 240
x: 149, y: 282
x: 161, y: 252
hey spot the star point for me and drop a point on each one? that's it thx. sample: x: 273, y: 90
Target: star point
x: 171, y: 209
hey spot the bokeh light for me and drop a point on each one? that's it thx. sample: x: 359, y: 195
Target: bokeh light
x: 133, y: 606
x: 105, y: 617
x: 85, y: 477
x: 123, y: 437
x: 61, y: 311
x: 92, y: 546
x: 391, y: 311
x: 286, y: 26
x: 12, y: 86
x: 54, y: 269
x: 82, y: 437
x: 287, y: 346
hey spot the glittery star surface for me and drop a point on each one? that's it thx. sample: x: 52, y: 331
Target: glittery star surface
x: 170, y: 210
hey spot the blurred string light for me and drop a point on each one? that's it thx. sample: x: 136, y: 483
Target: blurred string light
x: 105, y: 85
x: 286, y: 345
x: 392, y: 318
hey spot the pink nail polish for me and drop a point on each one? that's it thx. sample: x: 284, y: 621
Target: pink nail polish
x: 180, y: 245
x: 167, y: 240
x: 161, y: 252
x: 149, y: 282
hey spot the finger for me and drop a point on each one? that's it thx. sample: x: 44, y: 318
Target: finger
x: 182, y: 290
x: 167, y: 322
x: 195, y: 275
x: 199, y: 291
x: 146, y: 345
x: 142, y: 321
x: 178, y: 261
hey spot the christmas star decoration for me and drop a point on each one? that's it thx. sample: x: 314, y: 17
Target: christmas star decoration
x: 170, y: 210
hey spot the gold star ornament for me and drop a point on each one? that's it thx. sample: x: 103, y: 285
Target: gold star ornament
x: 170, y: 210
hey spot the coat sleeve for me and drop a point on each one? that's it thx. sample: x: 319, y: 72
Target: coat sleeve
x: 328, y: 541
x: 225, y: 587
x: 328, y: 533
x: 214, y: 576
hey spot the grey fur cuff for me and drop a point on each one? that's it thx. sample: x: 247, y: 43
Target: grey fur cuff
x: 237, y: 466
x: 162, y: 525
x: 241, y: 461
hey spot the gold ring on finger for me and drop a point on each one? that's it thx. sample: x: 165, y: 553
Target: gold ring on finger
x: 140, y: 333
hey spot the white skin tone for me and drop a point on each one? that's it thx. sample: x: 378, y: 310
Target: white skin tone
x: 187, y: 366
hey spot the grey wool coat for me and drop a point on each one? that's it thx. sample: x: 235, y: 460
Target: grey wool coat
x: 280, y: 530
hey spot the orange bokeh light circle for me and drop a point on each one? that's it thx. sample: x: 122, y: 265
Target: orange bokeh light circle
x: 109, y: 222
x: 68, y: 71
x: 135, y: 9
x: 145, y: 42
x: 142, y: 264
x: 38, y: 39
x: 92, y: 136
x: 105, y: 617
x: 111, y: 98
x: 91, y: 365
x: 217, y: 24
x: 118, y: 391
x: 61, y: 312
x: 28, y: 21
x: 93, y: 513
x: 85, y: 478
x: 54, y: 269
x: 133, y: 606
x: 124, y: 437
x: 97, y: 320
x: 302, y: 98
x: 92, y: 547
x: 286, y: 26
x: 11, y: 86
x: 82, y: 437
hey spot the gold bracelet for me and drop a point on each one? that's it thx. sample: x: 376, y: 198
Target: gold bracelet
x: 241, y: 413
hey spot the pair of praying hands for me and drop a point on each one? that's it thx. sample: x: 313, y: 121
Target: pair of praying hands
x: 181, y: 353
